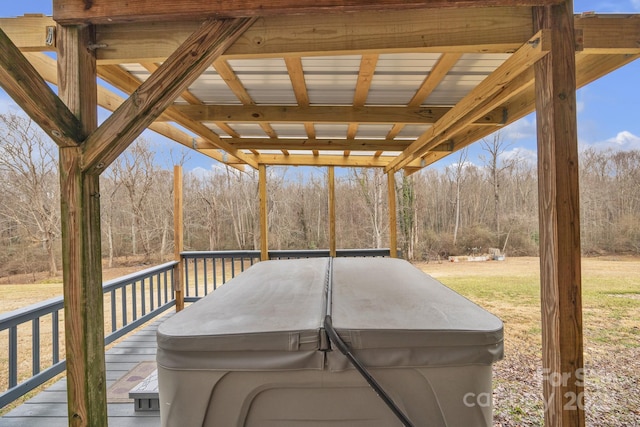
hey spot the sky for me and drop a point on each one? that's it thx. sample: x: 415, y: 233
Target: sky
x: 608, y: 109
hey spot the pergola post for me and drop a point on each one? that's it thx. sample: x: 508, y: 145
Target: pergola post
x: 81, y: 252
x: 393, y: 219
x: 331, y: 185
x: 559, y: 208
x: 264, y: 214
x: 178, y: 236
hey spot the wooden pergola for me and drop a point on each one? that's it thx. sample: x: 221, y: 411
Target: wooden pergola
x: 393, y: 84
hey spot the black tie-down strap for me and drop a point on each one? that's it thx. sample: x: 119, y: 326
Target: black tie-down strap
x: 335, y: 339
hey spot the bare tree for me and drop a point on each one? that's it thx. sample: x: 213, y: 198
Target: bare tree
x: 495, y: 147
x: 456, y: 175
x: 28, y: 160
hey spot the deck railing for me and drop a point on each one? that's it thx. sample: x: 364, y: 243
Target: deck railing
x: 205, y: 271
x: 129, y: 302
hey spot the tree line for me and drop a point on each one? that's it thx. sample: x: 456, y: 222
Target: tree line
x: 463, y: 208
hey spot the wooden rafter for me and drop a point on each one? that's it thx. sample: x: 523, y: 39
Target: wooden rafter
x: 236, y: 86
x: 296, y: 74
x: 474, y: 103
x: 433, y: 79
x: 365, y: 77
x: 23, y: 83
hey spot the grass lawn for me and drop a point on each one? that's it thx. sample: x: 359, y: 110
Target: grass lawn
x: 611, y: 321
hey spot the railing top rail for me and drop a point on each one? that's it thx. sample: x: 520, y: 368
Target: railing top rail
x: 283, y: 253
x: 33, y: 311
x: 220, y: 254
x: 140, y: 275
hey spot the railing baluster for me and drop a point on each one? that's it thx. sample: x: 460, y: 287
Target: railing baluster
x: 215, y: 275
x: 158, y: 290
x: 151, y: 302
x: 233, y: 267
x: 35, y: 346
x: 195, y: 275
x: 186, y: 277
x: 224, y: 274
x: 143, y: 297
x: 55, y: 336
x: 114, y: 325
x: 206, y: 278
x: 134, y: 300
x: 13, y: 356
x: 124, y: 306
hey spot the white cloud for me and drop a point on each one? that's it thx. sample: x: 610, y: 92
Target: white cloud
x: 202, y: 173
x: 524, y: 128
x: 520, y: 154
x: 623, y: 141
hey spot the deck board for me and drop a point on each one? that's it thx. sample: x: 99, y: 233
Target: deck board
x: 49, y: 407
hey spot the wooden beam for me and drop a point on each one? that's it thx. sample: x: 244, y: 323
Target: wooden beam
x: 393, y: 219
x: 318, y: 144
x: 178, y: 235
x: 81, y: 247
x: 609, y: 34
x: 31, y: 33
x: 331, y: 184
x: 500, y: 29
x: 559, y: 216
x: 322, y: 114
x: 29, y: 90
x: 264, y: 213
x: 105, y: 11
x: 159, y: 91
x: 483, y: 97
x: 475, y: 30
x: 323, y: 160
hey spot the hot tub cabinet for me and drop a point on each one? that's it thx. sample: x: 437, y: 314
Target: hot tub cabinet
x: 256, y: 353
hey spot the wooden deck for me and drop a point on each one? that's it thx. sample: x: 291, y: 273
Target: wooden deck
x: 49, y: 408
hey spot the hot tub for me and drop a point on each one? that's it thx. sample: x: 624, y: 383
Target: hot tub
x: 256, y: 353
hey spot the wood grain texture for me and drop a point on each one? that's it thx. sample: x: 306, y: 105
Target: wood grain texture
x: 159, y: 91
x: 29, y: 90
x: 559, y: 213
x: 476, y: 30
x: 81, y: 242
x: 101, y: 11
x: 322, y: 114
x: 29, y: 33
